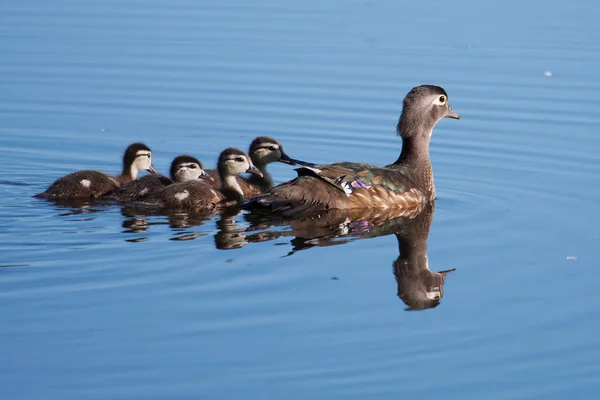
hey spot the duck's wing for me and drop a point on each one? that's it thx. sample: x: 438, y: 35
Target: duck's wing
x: 339, y: 186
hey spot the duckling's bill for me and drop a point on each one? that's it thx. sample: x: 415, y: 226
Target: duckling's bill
x: 253, y: 170
x: 204, y: 175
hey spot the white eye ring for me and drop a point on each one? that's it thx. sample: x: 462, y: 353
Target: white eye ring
x: 440, y: 101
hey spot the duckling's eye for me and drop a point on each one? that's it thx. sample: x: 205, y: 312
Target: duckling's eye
x: 272, y: 148
x: 240, y: 159
x: 193, y: 166
x: 442, y: 99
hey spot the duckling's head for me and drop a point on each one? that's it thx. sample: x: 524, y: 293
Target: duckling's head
x: 423, y: 107
x: 137, y: 157
x: 264, y: 150
x: 187, y: 168
x: 234, y: 161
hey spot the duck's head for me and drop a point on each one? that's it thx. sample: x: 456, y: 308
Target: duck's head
x: 423, y: 107
x: 234, y: 161
x: 264, y: 150
x: 137, y: 157
x: 187, y: 168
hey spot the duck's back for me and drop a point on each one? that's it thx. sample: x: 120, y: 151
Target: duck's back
x: 139, y: 188
x: 342, y: 186
x: 185, y: 195
x: 80, y: 184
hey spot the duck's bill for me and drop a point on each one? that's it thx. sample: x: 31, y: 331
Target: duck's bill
x: 451, y: 114
x: 206, y: 176
x: 255, y: 171
x: 151, y: 170
x: 291, y: 161
x: 446, y: 272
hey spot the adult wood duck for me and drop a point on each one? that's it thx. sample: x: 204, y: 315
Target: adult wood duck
x: 93, y: 184
x: 198, y: 195
x: 406, y: 184
x: 263, y: 151
x: 183, y: 168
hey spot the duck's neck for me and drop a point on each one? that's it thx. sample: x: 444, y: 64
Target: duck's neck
x: 129, y: 174
x: 266, y: 181
x: 231, y: 188
x: 415, y: 163
x: 414, y: 151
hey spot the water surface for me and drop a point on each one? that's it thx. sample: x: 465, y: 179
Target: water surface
x: 100, y: 301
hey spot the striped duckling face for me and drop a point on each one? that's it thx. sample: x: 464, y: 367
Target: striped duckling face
x: 265, y: 150
x: 187, y: 168
x: 234, y: 161
x: 137, y: 157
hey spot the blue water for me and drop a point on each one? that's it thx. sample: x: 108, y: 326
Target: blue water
x: 104, y: 302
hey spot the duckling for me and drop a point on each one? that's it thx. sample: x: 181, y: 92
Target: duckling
x: 407, y: 183
x: 183, y: 168
x: 198, y: 195
x: 263, y: 151
x: 93, y: 184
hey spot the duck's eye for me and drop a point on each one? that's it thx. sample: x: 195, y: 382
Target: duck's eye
x: 193, y: 166
x: 272, y: 148
x: 240, y: 159
x: 442, y: 99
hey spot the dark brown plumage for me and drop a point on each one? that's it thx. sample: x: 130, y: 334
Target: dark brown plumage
x: 93, y: 184
x: 406, y: 184
x: 200, y: 195
x: 263, y: 151
x: 183, y: 168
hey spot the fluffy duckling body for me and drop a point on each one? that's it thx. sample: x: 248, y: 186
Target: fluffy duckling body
x: 183, y: 168
x: 263, y: 151
x: 406, y: 184
x: 200, y: 195
x: 93, y: 184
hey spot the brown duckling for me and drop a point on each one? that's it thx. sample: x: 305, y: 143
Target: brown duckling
x: 263, y: 151
x: 183, y: 168
x: 407, y: 183
x: 93, y: 184
x: 200, y: 195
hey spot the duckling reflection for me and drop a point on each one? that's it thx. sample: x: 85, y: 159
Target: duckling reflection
x: 70, y: 207
x: 139, y: 219
x: 418, y: 287
x: 135, y: 225
x: 230, y: 235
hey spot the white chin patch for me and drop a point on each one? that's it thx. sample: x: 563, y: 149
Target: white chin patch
x: 182, y: 195
x: 434, y: 295
x: 86, y: 183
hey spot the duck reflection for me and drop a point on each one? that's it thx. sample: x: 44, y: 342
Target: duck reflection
x: 418, y: 287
